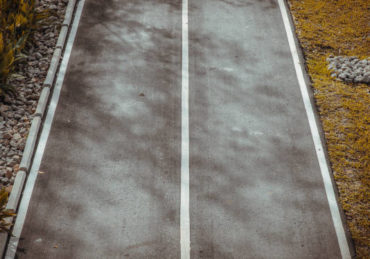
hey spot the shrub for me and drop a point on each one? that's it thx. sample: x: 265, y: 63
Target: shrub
x: 17, y: 18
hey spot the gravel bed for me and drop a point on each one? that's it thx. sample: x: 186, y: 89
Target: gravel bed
x: 350, y: 69
x: 16, y: 112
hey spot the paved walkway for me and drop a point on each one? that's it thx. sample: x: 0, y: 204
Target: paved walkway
x: 115, y: 163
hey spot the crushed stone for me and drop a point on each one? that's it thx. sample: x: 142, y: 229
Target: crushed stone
x: 16, y: 112
x: 350, y: 69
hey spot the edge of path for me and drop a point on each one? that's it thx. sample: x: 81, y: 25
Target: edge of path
x: 37, y: 122
x: 308, y: 83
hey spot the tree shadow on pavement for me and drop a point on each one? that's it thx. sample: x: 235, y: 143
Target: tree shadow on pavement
x: 255, y: 180
x: 115, y: 141
x: 114, y: 148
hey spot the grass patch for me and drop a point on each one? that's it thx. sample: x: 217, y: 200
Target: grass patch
x: 341, y: 27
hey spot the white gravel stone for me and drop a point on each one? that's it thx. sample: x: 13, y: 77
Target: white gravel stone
x: 350, y: 69
x: 16, y: 136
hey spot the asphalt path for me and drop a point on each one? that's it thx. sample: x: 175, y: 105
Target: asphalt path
x: 256, y: 187
x: 110, y: 182
x: 111, y: 179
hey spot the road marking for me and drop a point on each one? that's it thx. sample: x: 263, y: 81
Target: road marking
x: 330, y: 194
x: 23, y: 208
x: 184, y: 209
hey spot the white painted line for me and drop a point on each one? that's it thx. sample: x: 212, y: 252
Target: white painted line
x: 22, y: 212
x: 184, y: 209
x: 338, y: 225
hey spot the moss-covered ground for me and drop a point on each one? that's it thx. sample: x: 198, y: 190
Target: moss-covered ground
x: 341, y: 28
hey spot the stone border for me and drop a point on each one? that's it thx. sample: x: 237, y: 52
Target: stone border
x: 36, y: 125
x: 30, y: 144
x: 54, y: 63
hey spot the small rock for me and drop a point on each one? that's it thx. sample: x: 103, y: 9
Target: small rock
x: 332, y: 66
x: 17, y: 136
x: 358, y: 79
x: 366, y: 79
x: 12, y: 163
x: 7, y: 135
x: 4, y: 108
x: 38, y: 55
x: 349, y: 69
x: 343, y: 75
x: 13, y: 143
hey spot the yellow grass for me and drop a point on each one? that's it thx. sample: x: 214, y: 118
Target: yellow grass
x: 16, y: 20
x: 341, y: 27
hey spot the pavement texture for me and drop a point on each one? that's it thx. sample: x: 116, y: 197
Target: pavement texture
x: 110, y: 181
x: 256, y: 190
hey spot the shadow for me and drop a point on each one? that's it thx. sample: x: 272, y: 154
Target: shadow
x: 111, y: 166
x: 255, y: 179
x: 264, y: 4
x: 111, y: 187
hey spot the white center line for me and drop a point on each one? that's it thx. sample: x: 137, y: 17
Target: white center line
x: 338, y: 225
x: 184, y: 209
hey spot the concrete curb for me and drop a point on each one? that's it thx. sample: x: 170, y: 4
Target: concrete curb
x: 53, y: 67
x: 69, y: 12
x: 12, y: 204
x: 15, y: 195
x: 43, y: 100
x: 62, y: 36
x: 30, y: 144
x: 36, y: 125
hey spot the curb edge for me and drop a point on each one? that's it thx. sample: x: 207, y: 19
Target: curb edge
x: 36, y: 126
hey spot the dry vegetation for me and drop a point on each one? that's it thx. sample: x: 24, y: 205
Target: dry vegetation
x: 341, y: 27
x: 16, y: 21
x: 17, y: 17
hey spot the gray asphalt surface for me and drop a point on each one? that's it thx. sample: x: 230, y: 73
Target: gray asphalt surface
x: 256, y: 188
x: 110, y: 186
